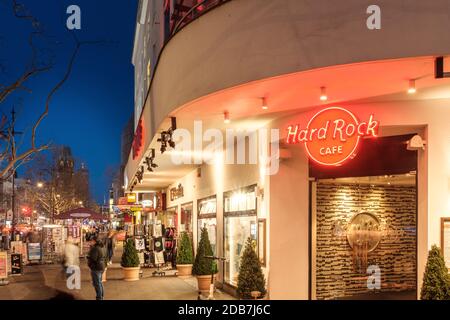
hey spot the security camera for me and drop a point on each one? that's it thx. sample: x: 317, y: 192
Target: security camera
x: 416, y: 143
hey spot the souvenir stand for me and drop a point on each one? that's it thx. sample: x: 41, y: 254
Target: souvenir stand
x: 77, y: 222
x: 53, y: 243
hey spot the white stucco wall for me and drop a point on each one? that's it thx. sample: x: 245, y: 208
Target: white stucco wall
x: 289, y: 188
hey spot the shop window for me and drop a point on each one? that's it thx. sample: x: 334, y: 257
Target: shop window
x: 240, y: 223
x: 186, y: 218
x: 207, y: 209
x: 169, y: 217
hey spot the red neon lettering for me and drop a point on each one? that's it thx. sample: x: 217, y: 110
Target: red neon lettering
x: 322, y: 133
x: 311, y: 134
x: 292, y: 136
x: 303, y: 136
x: 336, y: 129
x: 372, y: 127
x: 351, y: 131
x: 334, y: 147
x: 360, y: 130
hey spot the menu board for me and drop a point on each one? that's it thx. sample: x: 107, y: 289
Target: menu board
x: 445, y: 240
x: 16, y: 263
x: 3, y: 264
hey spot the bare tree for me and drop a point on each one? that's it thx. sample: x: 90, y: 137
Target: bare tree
x: 11, y: 156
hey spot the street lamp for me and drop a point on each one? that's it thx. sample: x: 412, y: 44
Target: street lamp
x: 40, y: 185
x: 80, y: 203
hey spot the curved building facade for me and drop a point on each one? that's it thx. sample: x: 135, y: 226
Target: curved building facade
x: 318, y: 130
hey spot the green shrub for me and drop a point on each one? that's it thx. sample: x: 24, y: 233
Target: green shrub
x: 130, y: 257
x: 203, y: 266
x: 251, y: 277
x: 184, y: 252
x: 436, y: 282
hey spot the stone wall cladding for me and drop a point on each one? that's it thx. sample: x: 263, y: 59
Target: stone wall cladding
x: 395, y: 207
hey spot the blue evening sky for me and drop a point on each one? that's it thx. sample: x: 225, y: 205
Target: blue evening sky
x: 90, y: 111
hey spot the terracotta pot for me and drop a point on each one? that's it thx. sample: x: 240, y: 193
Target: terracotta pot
x: 131, y: 274
x: 204, y: 282
x: 184, y: 270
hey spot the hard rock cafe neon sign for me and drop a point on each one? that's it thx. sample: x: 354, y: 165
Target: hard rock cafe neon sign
x: 332, y: 135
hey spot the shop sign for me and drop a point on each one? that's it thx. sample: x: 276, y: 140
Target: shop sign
x: 147, y: 203
x: 176, y: 193
x: 123, y: 200
x: 137, y: 140
x: 3, y: 264
x: 332, y: 135
x: 131, y: 198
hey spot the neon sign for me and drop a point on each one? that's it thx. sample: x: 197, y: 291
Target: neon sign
x: 137, y: 140
x: 332, y: 135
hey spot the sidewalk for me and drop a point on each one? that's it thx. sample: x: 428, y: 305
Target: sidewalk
x: 43, y: 282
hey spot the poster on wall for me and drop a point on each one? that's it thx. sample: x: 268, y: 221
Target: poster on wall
x: 3, y: 264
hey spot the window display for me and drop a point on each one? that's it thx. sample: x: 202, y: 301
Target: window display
x: 240, y: 223
x: 186, y: 218
x: 207, y: 219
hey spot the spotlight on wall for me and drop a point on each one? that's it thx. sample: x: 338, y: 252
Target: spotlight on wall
x: 226, y: 117
x: 323, y: 94
x: 412, y: 86
x: 264, y: 104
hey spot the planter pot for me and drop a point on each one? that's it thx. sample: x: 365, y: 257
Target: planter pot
x: 184, y: 270
x: 131, y: 274
x: 204, y: 282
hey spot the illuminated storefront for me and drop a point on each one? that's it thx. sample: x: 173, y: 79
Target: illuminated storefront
x: 361, y: 181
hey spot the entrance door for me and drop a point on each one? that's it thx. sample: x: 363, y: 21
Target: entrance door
x: 364, y: 228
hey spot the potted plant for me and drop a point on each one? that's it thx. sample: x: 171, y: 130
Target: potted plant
x: 251, y: 282
x: 130, y: 261
x: 435, y: 278
x: 185, y: 256
x: 203, y: 267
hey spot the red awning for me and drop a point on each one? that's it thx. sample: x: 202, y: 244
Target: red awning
x: 81, y: 213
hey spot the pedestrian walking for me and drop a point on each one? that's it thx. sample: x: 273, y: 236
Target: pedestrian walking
x: 71, y: 255
x: 111, y: 244
x: 97, y: 263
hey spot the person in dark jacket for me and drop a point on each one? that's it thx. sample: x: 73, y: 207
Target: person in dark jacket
x: 97, y: 263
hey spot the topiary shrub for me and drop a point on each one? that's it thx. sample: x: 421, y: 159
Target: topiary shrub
x: 184, y: 251
x: 130, y: 257
x: 203, y: 266
x: 436, y: 282
x: 251, y: 277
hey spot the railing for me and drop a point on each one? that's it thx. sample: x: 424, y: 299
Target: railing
x: 181, y: 17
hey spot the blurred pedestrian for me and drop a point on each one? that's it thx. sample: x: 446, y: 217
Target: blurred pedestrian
x: 111, y: 245
x: 71, y: 255
x: 97, y: 263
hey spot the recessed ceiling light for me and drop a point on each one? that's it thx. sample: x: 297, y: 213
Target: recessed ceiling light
x: 226, y: 117
x: 264, y: 105
x: 412, y: 86
x: 323, y: 94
